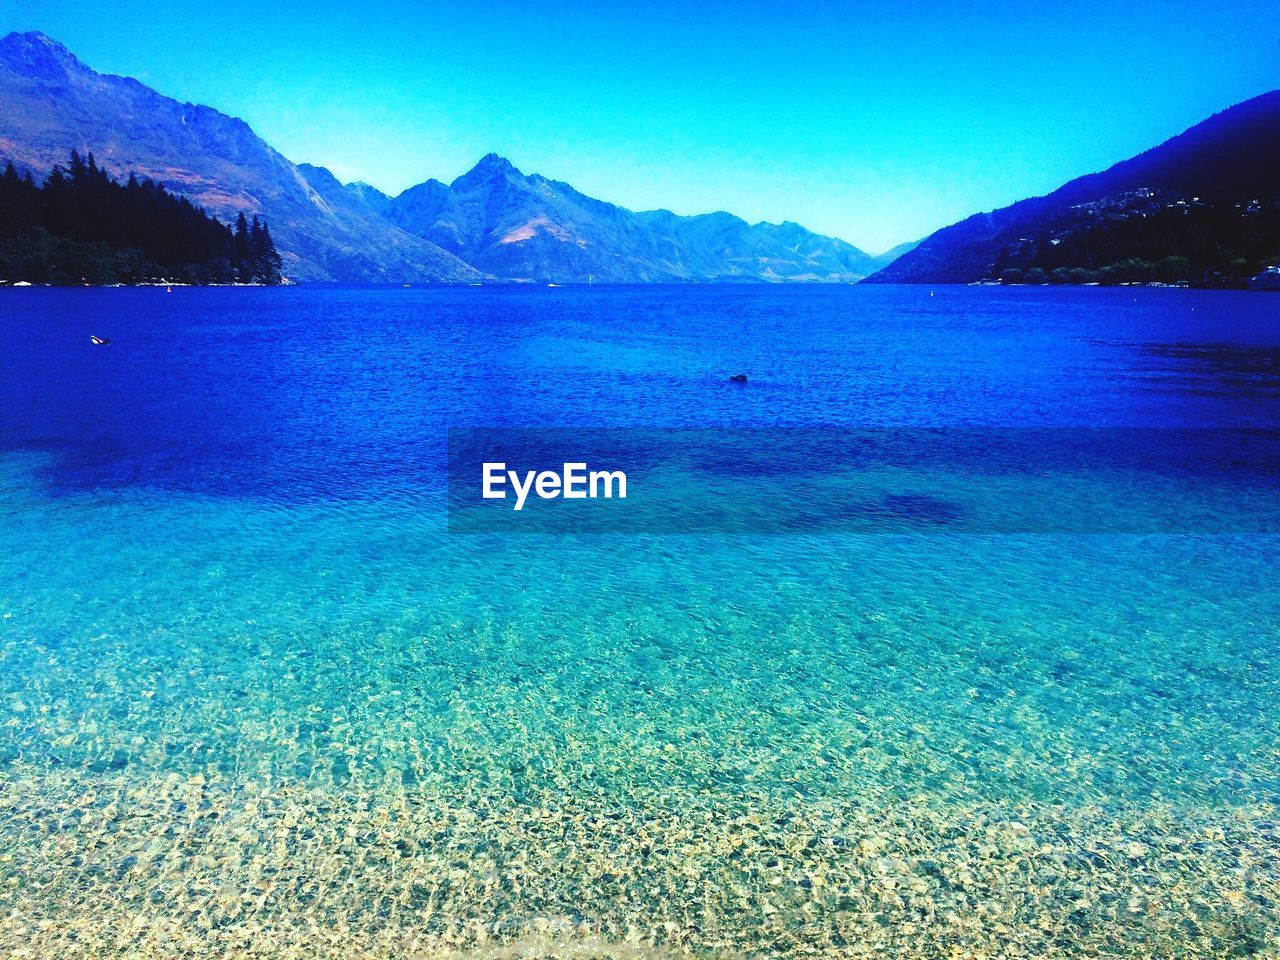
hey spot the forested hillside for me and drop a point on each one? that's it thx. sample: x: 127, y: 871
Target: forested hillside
x: 82, y: 226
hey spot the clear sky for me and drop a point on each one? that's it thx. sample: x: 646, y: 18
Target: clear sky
x: 877, y: 123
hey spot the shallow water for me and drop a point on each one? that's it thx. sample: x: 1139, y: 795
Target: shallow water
x: 256, y: 699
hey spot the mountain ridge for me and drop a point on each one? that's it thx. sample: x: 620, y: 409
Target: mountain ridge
x: 529, y: 226
x: 491, y: 222
x: 51, y: 102
x: 1228, y: 158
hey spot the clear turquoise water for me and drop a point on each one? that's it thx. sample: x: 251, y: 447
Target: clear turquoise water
x: 255, y: 698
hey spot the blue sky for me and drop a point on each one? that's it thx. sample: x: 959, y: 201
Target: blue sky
x: 875, y: 123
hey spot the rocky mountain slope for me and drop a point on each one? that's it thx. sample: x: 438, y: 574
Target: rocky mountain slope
x: 523, y: 226
x: 50, y: 103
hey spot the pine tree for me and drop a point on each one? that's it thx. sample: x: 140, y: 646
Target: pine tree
x: 255, y: 240
x: 270, y: 264
x: 243, y: 250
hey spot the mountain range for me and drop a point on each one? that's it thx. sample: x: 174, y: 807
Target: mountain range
x: 51, y: 103
x: 1207, y: 201
x: 1203, y: 204
x: 510, y: 224
x: 493, y: 222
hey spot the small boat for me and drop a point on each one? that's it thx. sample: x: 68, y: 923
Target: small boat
x: 98, y: 341
x: 1268, y: 279
x: 738, y: 378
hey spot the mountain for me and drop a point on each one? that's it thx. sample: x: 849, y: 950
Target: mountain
x: 1206, y: 200
x: 722, y: 246
x: 514, y: 225
x: 529, y: 227
x: 492, y: 221
x: 51, y: 103
x: 882, y: 260
x: 370, y: 196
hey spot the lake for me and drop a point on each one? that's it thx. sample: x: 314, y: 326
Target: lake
x: 263, y: 689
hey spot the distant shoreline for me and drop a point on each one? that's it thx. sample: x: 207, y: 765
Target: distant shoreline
x: 746, y: 283
x: 24, y: 284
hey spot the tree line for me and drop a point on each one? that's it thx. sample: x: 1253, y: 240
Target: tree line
x: 1200, y: 243
x: 82, y: 226
x: 1170, y: 270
